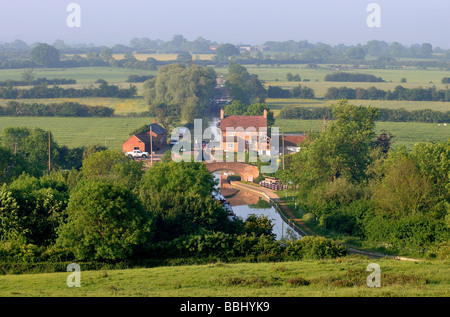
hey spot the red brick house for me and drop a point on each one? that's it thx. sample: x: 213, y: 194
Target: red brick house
x: 141, y: 141
x: 247, y: 131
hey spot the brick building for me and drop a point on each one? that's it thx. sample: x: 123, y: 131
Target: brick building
x: 141, y: 141
x: 244, y: 133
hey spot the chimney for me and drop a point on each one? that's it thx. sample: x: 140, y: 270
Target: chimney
x: 265, y: 113
x: 154, y: 120
x: 221, y: 113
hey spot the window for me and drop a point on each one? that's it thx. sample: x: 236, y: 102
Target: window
x: 230, y: 145
x: 231, y: 133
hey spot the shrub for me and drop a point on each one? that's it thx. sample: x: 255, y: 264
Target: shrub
x: 310, y: 247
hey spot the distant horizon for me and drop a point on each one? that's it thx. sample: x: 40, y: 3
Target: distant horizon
x: 127, y: 42
x: 109, y: 22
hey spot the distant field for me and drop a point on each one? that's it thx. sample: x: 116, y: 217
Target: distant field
x: 276, y: 104
x: 83, y: 75
x: 406, y: 133
x: 413, y: 76
x: 120, y: 106
x: 345, y: 276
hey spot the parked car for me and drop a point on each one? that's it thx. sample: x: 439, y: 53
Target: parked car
x: 137, y: 154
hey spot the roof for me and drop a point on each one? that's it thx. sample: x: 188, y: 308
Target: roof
x: 244, y: 122
x: 157, y: 129
x: 143, y: 136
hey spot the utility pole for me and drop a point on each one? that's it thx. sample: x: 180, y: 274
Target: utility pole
x: 49, y: 165
x: 151, y: 146
x: 283, y: 150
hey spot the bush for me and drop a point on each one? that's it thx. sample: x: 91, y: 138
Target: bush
x: 416, y: 231
x: 310, y: 247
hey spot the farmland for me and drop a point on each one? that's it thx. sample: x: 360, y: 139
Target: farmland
x: 75, y: 131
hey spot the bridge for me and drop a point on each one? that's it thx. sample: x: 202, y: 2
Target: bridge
x: 246, y: 171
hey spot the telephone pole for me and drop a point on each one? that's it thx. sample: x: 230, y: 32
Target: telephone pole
x: 151, y: 146
x: 49, y: 165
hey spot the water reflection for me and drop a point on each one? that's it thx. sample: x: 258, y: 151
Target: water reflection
x: 244, y: 204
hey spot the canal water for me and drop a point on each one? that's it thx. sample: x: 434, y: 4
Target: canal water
x: 244, y: 204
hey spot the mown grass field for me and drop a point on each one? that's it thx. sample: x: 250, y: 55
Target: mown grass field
x: 77, y: 132
x: 345, y: 276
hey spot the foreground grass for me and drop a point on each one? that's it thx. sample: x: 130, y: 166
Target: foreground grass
x: 338, y: 277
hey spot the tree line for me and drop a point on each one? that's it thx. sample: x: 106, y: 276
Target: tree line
x: 43, y: 91
x: 384, y: 114
x: 351, y: 182
x: 64, y: 109
x: 38, y: 81
x: 399, y: 93
x: 341, y: 76
x: 20, y: 55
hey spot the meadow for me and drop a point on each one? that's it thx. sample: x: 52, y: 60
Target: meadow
x: 83, y: 75
x: 77, y: 132
x: 346, y: 276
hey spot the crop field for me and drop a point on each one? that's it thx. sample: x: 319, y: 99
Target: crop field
x: 120, y: 106
x: 413, y: 75
x: 345, y: 276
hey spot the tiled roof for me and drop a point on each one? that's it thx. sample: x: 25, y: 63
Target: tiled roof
x: 157, y: 129
x: 143, y: 136
x: 244, y: 122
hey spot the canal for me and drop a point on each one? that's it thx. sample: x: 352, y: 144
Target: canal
x: 244, y: 204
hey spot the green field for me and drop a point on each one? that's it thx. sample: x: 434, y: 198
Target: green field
x: 83, y: 75
x: 412, y: 75
x: 276, y: 104
x: 345, y: 276
x: 76, y: 132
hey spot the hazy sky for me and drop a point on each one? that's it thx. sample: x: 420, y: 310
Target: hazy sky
x: 107, y: 22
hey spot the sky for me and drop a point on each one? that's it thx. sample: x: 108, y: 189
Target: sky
x: 109, y: 22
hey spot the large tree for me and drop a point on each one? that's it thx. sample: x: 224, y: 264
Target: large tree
x: 178, y: 196
x: 45, y: 55
x: 342, y: 150
x: 189, y: 88
x: 105, y: 221
x: 244, y: 87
